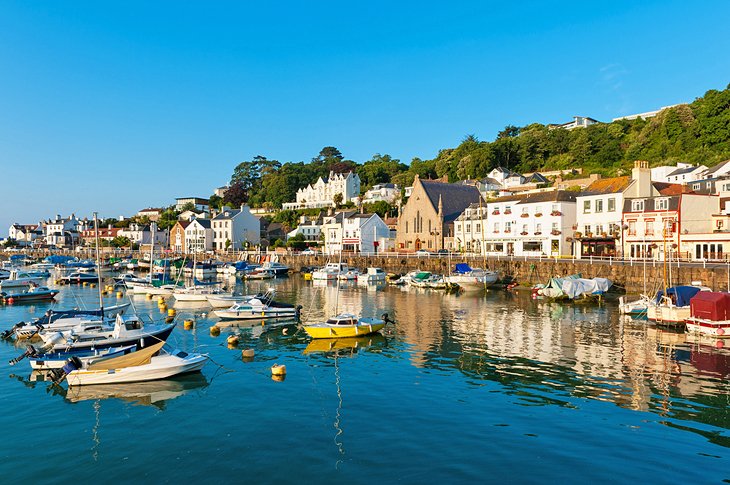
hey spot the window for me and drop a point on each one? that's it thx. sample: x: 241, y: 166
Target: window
x: 468, y: 227
x: 586, y: 207
x: 507, y: 226
x: 538, y: 228
x: 496, y: 227
x: 612, y: 204
x: 696, y: 186
x: 661, y: 204
x: 649, y: 231
x: 479, y: 228
x: 587, y: 229
x: 637, y: 205
x: 719, y: 225
x: 555, y: 226
x: 599, y: 205
x: 632, y: 228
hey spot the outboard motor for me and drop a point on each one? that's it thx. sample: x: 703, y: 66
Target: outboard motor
x: 298, y: 312
x: 30, y: 351
x: 72, y: 364
x: 8, y: 334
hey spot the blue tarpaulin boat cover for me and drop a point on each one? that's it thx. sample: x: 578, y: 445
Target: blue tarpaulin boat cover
x: 58, y: 259
x: 681, y: 294
x: 462, y: 268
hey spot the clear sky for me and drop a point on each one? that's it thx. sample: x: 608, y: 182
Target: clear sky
x: 117, y: 106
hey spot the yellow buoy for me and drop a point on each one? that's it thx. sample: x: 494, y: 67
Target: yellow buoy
x: 188, y: 324
x: 248, y: 353
x: 171, y: 312
x: 278, y: 370
x: 161, y: 299
x: 93, y: 285
x: 85, y: 283
x: 276, y: 378
x: 215, y: 331
x: 119, y: 294
x: 149, y: 297
x: 232, y: 340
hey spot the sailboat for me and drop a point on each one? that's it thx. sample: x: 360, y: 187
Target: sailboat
x: 343, y: 325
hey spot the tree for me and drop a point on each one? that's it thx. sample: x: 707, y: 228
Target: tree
x: 236, y: 195
x: 510, y: 131
x: 380, y: 207
x: 188, y: 206
x: 337, y: 199
x: 10, y: 243
x: 121, y: 242
x: 215, y: 201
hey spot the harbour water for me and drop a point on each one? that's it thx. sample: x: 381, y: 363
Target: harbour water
x: 463, y: 389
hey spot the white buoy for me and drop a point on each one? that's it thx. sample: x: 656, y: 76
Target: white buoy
x: 278, y: 370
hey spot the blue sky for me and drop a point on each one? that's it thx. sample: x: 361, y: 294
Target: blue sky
x: 116, y: 106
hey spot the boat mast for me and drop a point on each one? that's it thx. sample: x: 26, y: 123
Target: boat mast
x: 98, y: 262
x: 339, y: 272
x: 153, y: 231
x: 482, y: 246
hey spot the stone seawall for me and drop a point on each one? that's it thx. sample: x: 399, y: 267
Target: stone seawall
x: 531, y: 272
x: 526, y: 272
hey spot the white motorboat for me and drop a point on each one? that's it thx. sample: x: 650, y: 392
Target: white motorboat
x: 372, y: 275
x: 226, y: 301
x: 259, y: 307
x: 18, y: 279
x: 349, y: 275
x: 279, y: 269
x: 153, y: 363
x: 261, y: 274
x: 330, y: 271
x: 635, y: 308
x: 198, y: 293
x: 471, y: 279
x: 77, y: 278
x: 63, y: 320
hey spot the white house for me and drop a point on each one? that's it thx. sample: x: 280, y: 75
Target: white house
x: 322, y: 194
x: 531, y: 224
x: 200, y: 204
x: 190, y: 215
x: 355, y: 232
x: 142, y: 234
x: 309, y: 227
x: 63, y: 231
x: 506, y: 177
x: 382, y: 192
x: 152, y: 213
x: 234, y: 227
x: 599, y: 218
x: 25, y: 234
x: 685, y: 174
x: 470, y: 228
x: 198, y: 236
x: 578, y: 122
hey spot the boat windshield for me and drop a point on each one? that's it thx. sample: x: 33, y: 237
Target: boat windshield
x: 343, y: 321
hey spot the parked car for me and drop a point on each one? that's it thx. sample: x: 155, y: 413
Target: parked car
x: 309, y: 251
x: 423, y: 252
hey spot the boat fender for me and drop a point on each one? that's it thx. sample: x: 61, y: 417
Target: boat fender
x: 720, y: 331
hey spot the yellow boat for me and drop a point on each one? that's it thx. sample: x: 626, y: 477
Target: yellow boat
x: 345, y: 325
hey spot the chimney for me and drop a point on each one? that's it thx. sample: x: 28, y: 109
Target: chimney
x: 641, y: 173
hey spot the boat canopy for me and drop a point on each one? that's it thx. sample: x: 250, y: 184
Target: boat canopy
x: 680, y: 295
x: 462, y: 268
x: 581, y: 286
x: 58, y: 259
x: 710, y: 305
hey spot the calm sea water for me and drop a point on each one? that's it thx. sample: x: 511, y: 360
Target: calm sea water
x: 463, y: 389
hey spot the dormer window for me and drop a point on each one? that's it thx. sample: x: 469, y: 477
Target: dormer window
x: 637, y: 205
x: 661, y: 204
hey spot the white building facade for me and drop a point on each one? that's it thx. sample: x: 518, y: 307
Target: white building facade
x: 322, y: 194
x: 232, y: 228
x: 198, y: 236
x: 382, y: 192
x: 354, y: 232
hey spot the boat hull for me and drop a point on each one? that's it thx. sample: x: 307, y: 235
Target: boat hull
x: 665, y: 315
x: 148, y: 372
x: 719, y: 329
x: 256, y: 315
x: 343, y: 331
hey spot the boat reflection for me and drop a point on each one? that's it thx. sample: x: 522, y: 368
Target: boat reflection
x: 153, y: 393
x: 344, y: 346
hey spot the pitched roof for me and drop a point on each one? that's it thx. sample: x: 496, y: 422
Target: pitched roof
x: 680, y: 171
x: 712, y: 170
x: 550, y: 196
x: 489, y: 180
x: 231, y: 213
x: 203, y: 222
x: 183, y: 224
x: 454, y: 197
x: 608, y: 186
x: 668, y: 189
x: 537, y: 178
